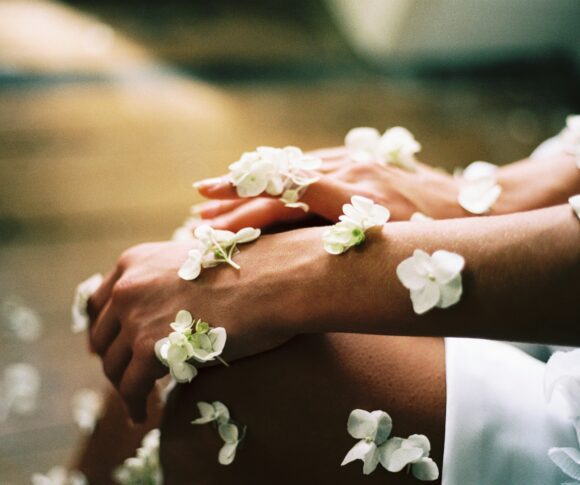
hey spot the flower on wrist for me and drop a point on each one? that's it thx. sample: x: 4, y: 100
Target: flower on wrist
x: 479, y: 189
x: 394, y: 454
x: 190, y: 340
x: 358, y: 217
x: 434, y: 281
x: 397, y: 146
x: 574, y: 202
x: 213, y: 247
x: 282, y: 172
x: 80, y: 314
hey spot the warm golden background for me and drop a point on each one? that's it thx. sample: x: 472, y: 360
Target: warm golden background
x: 109, y: 110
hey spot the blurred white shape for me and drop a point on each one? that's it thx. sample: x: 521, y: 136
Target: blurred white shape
x: 97, y: 39
x: 22, y: 321
x: 144, y: 468
x: 87, y: 406
x: 80, y: 314
x: 59, y: 475
x: 19, y: 390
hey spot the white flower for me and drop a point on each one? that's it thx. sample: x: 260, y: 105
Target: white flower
x: 434, y: 281
x: 359, y: 216
x: 184, y: 233
x: 165, y: 390
x: 19, y: 390
x: 396, y: 146
x: 230, y: 434
x: 212, y: 247
x: 398, y: 453
x: 189, y: 340
x: 562, y: 379
x: 479, y: 188
x: 87, y: 406
x: 574, y: 201
x: 216, y: 411
x: 372, y: 429
x: 567, y: 459
x: 23, y: 322
x: 570, y: 137
x: 84, y: 291
x: 420, y: 217
x: 275, y: 171
x: 144, y: 468
x: 59, y: 475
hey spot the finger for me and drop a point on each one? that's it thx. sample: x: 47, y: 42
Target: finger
x: 327, y: 196
x: 258, y: 213
x: 138, y: 381
x: 104, y: 330
x: 216, y: 188
x: 213, y: 208
x: 103, y: 294
x: 116, y: 360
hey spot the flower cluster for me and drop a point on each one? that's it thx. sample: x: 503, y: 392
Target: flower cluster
x: 575, y: 203
x: 373, y: 430
x: 479, y: 188
x: 143, y: 469
x: 434, y: 281
x: 87, y: 406
x: 562, y: 387
x: 190, y: 339
x: 80, y: 315
x: 279, y: 172
x: 229, y: 431
x: 397, y: 146
x: 570, y: 137
x: 213, y: 247
x: 19, y: 390
x: 358, y: 217
x: 59, y: 475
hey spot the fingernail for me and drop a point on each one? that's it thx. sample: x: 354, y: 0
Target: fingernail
x: 196, y: 209
x: 201, y: 184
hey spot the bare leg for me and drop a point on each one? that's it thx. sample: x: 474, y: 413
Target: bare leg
x: 295, y: 402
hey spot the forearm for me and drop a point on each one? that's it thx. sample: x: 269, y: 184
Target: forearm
x: 520, y: 282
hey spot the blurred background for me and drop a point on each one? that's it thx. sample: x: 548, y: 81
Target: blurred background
x: 109, y: 110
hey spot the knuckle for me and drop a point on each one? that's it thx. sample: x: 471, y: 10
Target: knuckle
x: 121, y: 290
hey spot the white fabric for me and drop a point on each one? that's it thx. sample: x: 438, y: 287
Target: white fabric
x: 498, y: 426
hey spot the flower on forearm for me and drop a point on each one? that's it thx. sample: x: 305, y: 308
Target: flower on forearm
x: 191, y: 339
x: 396, y: 146
x: 213, y: 247
x: 145, y: 467
x: 479, y: 189
x: 230, y: 434
x: 358, y: 217
x: 279, y: 172
x: 80, y: 315
x: 574, y: 202
x: 413, y: 452
x: 434, y: 281
x: 216, y: 411
x: 372, y: 429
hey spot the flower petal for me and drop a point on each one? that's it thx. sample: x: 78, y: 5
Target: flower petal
x: 401, y: 457
x: 567, y: 459
x: 247, y: 234
x: 222, y: 412
x: 425, y: 470
x: 227, y: 453
x: 387, y: 449
x: 229, y: 432
x: 409, y: 276
x: 371, y: 459
x: 384, y: 426
x: 418, y: 441
x: 207, y: 412
x: 361, y: 424
x: 450, y: 292
x: 446, y: 265
x: 357, y: 452
x: 183, y: 372
x: 425, y: 298
x: 161, y: 348
x: 479, y: 170
x: 575, y: 203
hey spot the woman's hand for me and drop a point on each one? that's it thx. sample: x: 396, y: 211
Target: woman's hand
x: 136, y: 303
x: 404, y: 192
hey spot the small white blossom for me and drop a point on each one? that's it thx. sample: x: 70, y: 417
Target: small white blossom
x: 479, y: 189
x: 570, y: 137
x: 399, y: 453
x: 562, y: 380
x: 19, y: 390
x: 22, y: 321
x: 358, y: 217
x: 434, y: 281
x: 216, y: 411
x: 574, y: 202
x: 84, y: 291
x: 567, y: 460
x: 279, y: 172
x: 213, y: 247
x: 189, y: 340
x: 59, y: 475
x: 87, y: 406
x: 396, y: 146
x: 420, y: 217
x: 144, y: 468
x: 230, y: 434
x: 373, y: 430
